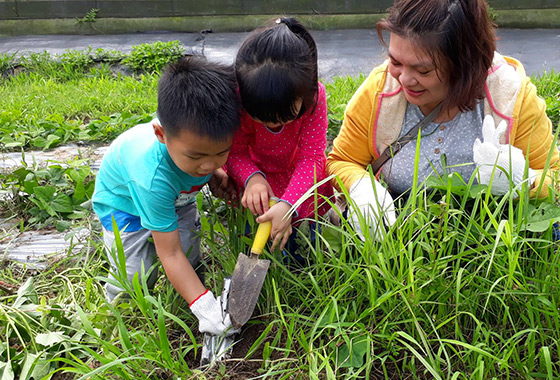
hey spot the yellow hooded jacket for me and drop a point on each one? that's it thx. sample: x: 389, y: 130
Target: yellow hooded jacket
x: 374, y: 117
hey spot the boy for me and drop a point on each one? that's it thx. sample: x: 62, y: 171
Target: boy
x: 151, y: 173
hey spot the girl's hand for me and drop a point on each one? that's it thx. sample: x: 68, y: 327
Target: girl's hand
x: 256, y: 194
x: 281, y: 224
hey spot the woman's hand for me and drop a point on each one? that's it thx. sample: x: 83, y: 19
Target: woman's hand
x: 498, y: 163
x: 281, y: 223
x: 373, y: 208
x: 256, y: 194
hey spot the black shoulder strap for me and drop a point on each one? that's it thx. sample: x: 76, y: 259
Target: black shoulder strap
x: 395, y: 147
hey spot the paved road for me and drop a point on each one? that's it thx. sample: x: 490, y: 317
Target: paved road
x: 341, y: 52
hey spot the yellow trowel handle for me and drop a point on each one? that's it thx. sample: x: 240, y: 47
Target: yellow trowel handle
x: 263, y: 232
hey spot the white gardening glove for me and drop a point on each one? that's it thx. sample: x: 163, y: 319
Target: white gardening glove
x: 209, y: 313
x: 372, y: 205
x: 507, y: 158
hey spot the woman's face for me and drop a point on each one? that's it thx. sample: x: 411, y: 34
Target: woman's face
x: 423, y: 84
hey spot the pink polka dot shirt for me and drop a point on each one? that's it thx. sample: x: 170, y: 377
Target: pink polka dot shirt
x: 292, y: 159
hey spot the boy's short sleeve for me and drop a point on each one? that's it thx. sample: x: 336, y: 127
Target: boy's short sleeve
x: 139, y: 180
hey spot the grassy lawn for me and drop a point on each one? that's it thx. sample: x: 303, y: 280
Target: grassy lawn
x: 464, y: 286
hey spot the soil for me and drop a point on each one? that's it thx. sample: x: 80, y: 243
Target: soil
x: 237, y: 367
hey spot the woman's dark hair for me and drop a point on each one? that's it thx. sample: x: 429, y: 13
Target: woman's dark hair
x: 199, y: 96
x: 275, y: 66
x: 459, y: 37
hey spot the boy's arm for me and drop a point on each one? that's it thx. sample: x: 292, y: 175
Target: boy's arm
x: 177, y: 267
x: 182, y: 276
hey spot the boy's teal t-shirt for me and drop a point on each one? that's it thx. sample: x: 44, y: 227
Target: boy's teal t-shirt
x: 139, y: 185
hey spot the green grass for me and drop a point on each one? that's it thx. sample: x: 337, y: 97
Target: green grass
x: 548, y: 87
x: 86, y: 98
x: 42, y: 113
x: 461, y: 288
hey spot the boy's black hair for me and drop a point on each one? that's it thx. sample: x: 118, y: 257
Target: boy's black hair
x: 200, y: 96
x: 275, y: 66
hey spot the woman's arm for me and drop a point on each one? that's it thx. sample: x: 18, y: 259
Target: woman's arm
x: 533, y: 134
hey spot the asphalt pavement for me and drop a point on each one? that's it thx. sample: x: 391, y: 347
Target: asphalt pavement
x: 341, y: 52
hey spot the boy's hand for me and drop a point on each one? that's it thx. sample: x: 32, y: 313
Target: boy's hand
x: 209, y: 313
x: 256, y: 194
x: 222, y: 186
x: 281, y: 227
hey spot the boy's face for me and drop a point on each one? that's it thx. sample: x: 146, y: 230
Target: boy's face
x: 194, y: 154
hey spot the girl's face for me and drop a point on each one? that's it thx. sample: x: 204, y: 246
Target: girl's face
x: 421, y: 81
x: 278, y: 125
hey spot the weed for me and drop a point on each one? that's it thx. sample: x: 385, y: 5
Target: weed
x: 7, y: 62
x: 107, y: 55
x: 89, y: 18
x: 76, y: 60
x: 339, y: 92
x: 492, y: 13
x: 153, y: 57
x: 51, y: 195
x: 42, y: 64
x: 548, y: 87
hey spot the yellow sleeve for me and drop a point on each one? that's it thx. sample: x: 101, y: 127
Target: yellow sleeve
x: 533, y: 134
x: 353, y: 147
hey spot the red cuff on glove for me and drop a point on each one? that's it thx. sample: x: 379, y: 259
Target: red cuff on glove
x: 196, y: 299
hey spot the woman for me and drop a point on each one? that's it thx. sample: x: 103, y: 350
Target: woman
x: 442, y: 54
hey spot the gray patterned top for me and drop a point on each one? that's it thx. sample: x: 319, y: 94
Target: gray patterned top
x: 454, y: 139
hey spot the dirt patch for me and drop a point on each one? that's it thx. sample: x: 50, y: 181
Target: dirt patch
x: 237, y: 366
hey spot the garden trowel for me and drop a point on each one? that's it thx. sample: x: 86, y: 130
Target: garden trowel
x: 248, y: 277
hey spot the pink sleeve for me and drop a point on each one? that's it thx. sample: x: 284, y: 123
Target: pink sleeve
x: 310, y: 159
x: 240, y: 165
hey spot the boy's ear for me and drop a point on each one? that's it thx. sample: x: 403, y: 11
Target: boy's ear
x: 158, y: 130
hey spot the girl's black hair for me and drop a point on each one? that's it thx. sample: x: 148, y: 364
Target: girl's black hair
x: 275, y: 66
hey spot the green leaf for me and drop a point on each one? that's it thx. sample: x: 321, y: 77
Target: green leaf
x: 34, y: 367
x: 351, y: 354
x: 51, y: 140
x: 333, y: 237
x: 6, y: 371
x: 26, y: 294
x: 51, y: 338
x: 62, y: 203
x: 45, y: 193
x: 79, y: 192
x: 540, y: 218
x: 9, y: 143
x: 38, y: 142
x: 63, y: 225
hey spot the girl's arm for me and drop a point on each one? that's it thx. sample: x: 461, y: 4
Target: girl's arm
x: 247, y: 175
x: 310, y: 159
x: 240, y: 165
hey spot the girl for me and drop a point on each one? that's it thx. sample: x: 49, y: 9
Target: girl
x: 280, y: 148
